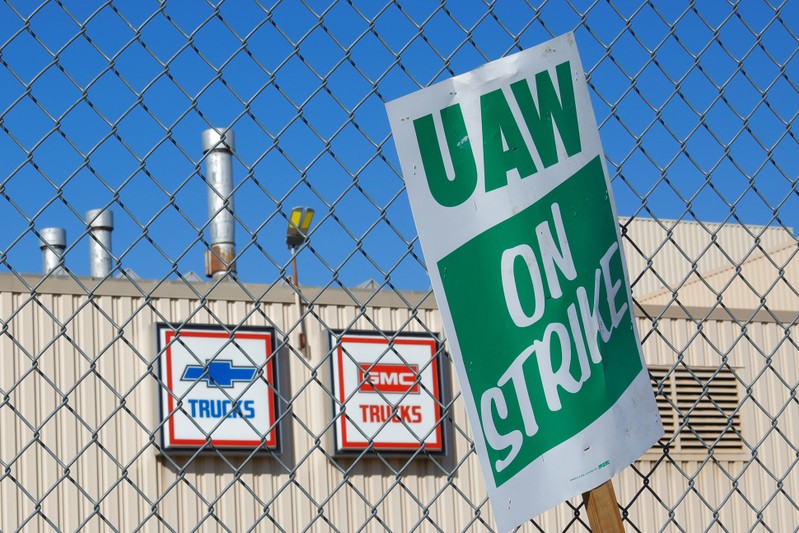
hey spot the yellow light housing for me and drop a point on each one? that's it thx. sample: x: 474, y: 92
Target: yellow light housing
x: 299, y: 223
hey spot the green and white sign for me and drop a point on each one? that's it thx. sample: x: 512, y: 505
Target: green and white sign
x: 508, y: 187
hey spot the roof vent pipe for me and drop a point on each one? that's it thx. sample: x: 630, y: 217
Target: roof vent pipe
x: 53, y: 241
x: 218, y: 145
x: 100, y: 222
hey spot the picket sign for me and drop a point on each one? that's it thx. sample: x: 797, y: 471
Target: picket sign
x: 507, y: 183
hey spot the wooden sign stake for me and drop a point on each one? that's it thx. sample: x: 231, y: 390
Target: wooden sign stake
x: 603, y: 509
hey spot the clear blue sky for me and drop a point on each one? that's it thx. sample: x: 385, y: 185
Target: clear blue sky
x: 103, y: 105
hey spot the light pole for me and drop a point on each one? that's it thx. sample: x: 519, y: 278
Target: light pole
x: 296, y: 235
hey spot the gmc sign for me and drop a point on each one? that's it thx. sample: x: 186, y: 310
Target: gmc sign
x: 388, y: 378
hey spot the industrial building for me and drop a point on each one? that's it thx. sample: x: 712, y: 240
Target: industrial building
x: 81, y: 430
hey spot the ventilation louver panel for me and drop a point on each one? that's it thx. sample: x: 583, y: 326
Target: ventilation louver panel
x: 699, y: 409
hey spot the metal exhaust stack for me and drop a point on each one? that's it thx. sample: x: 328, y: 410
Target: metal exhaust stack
x: 53, y: 241
x: 100, y: 222
x: 218, y: 145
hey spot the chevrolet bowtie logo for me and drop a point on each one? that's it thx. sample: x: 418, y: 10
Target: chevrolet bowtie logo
x: 218, y: 373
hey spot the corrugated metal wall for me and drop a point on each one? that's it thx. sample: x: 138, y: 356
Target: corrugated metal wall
x: 104, y: 462
x: 664, y: 255
x: 757, y: 491
x: 81, y: 412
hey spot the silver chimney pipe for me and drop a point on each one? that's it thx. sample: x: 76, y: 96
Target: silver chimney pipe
x: 218, y: 145
x: 101, y: 223
x: 53, y: 241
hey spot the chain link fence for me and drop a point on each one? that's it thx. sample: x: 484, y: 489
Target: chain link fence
x: 102, y: 108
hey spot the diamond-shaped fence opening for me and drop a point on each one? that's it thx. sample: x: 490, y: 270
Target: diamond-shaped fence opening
x: 103, y: 106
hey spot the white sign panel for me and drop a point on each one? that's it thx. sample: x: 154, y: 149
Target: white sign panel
x: 391, y: 390
x: 217, y: 386
x: 507, y: 183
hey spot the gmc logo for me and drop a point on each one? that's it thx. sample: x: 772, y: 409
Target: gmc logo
x: 388, y: 378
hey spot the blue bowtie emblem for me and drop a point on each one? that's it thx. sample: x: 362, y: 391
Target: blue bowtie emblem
x: 219, y: 373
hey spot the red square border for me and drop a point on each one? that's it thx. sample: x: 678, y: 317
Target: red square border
x: 346, y: 443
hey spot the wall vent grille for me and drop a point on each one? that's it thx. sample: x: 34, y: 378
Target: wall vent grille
x: 700, y: 409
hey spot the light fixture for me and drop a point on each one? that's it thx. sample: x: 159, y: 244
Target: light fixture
x: 299, y: 223
x: 297, y: 233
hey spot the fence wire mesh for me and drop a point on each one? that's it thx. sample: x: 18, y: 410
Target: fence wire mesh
x: 102, y: 106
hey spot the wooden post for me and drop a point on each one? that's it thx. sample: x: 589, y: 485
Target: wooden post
x: 603, y: 509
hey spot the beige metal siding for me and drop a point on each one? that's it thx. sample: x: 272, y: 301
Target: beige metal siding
x: 103, y: 365
x: 83, y: 399
x: 762, y: 481
x: 763, y: 281
x: 679, y: 251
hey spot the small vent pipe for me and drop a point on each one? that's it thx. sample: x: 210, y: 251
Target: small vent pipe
x: 100, y: 223
x: 218, y: 146
x: 53, y: 241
